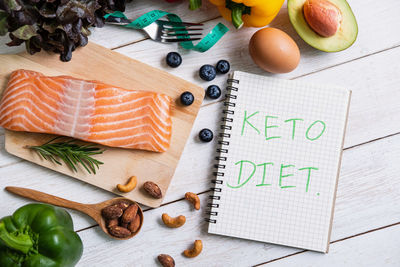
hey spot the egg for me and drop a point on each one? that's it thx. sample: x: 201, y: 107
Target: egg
x: 274, y: 51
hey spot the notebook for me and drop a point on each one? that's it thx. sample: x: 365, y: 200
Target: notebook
x: 278, y: 161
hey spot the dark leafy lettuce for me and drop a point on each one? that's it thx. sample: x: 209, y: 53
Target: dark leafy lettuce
x: 59, y: 26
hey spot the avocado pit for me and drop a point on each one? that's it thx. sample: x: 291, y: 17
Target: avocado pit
x: 322, y: 16
x: 327, y: 25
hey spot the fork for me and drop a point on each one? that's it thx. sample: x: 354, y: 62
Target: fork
x: 165, y: 31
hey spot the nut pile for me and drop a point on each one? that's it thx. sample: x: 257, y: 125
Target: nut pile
x: 122, y: 219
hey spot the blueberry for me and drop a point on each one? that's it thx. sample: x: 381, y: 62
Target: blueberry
x: 223, y: 66
x: 187, y: 98
x: 173, y: 59
x: 207, y: 72
x: 213, y: 91
x: 206, y: 135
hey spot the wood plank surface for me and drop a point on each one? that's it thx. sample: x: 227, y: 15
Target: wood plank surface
x: 366, y: 177
x: 378, y: 248
x: 368, y: 194
x: 194, y: 170
x: 374, y: 35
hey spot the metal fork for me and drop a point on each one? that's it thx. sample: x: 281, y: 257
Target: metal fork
x: 165, y: 31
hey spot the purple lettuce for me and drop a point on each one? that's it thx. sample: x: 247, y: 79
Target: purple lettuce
x: 58, y: 26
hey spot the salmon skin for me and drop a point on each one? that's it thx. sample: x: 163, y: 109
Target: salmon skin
x: 87, y: 110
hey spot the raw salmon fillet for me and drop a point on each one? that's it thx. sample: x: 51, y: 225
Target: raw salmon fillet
x: 87, y: 110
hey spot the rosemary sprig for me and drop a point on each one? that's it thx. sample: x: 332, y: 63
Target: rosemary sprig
x: 70, y: 153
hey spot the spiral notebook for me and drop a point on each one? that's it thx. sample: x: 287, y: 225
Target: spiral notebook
x: 278, y: 161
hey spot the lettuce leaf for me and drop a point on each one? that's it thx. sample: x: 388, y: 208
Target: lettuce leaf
x: 3, y: 23
x: 58, y: 26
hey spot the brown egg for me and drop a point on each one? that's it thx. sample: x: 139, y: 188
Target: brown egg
x: 274, y: 51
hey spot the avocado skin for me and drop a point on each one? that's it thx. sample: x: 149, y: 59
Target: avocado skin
x: 336, y: 43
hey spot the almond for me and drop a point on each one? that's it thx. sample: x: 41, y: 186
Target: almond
x: 129, y: 214
x: 119, y: 231
x: 322, y: 16
x: 152, y: 189
x: 166, y: 260
x: 135, y: 224
x: 123, y: 204
x: 111, y: 223
x: 111, y: 212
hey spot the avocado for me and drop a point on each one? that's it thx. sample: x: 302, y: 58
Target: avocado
x: 343, y: 38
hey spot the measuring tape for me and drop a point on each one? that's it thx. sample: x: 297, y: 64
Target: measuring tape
x: 145, y: 20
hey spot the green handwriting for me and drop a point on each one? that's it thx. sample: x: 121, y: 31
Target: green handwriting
x: 284, y: 176
x: 294, y: 125
x: 285, y: 173
x: 245, y: 120
x: 264, y: 172
x: 318, y: 136
x: 268, y: 127
x: 271, y: 126
x: 240, y: 173
x: 309, y: 174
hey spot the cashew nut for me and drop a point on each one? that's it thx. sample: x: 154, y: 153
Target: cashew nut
x: 194, y: 199
x: 195, y: 251
x: 132, y: 182
x: 173, y: 222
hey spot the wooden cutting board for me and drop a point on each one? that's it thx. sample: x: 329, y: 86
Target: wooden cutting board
x: 95, y: 62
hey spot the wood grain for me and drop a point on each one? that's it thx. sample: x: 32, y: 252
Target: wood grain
x: 374, y: 36
x: 98, y: 63
x: 368, y: 190
x: 195, y: 168
x: 378, y: 248
x: 368, y: 197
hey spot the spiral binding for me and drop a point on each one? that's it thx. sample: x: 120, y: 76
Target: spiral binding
x: 221, y: 150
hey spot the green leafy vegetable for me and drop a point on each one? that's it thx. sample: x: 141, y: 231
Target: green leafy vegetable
x: 70, y: 153
x: 59, y: 26
x: 3, y: 23
x: 25, y: 32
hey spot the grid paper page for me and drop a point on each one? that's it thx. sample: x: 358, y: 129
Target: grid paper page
x: 281, y: 171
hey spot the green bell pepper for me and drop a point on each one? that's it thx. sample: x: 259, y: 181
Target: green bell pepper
x: 39, y: 235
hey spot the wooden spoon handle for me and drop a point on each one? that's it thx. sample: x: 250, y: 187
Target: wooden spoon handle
x: 50, y: 199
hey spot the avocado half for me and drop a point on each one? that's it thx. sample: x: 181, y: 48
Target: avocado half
x: 345, y: 36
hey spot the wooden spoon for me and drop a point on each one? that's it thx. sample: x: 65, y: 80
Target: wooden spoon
x: 93, y: 210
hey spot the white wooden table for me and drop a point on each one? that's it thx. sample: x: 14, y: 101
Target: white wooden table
x: 366, y: 229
